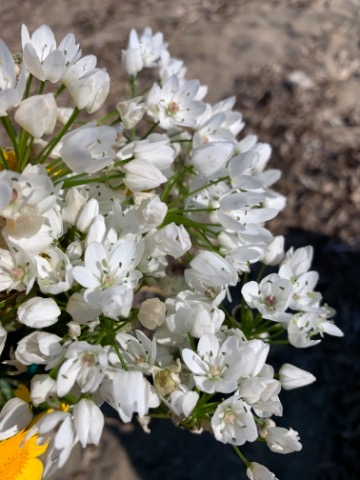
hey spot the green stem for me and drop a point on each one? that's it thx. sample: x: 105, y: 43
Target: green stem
x: 151, y: 129
x: 241, y: 456
x: 192, y: 343
x: 23, y: 144
x: 52, y: 144
x: 83, y: 181
x: 28, y: 85
x: 59, y: 91
x: 105, y: 117
x: 117, y: 350
x: 193, y: 192
x: 260, y: 274
x: 41, y: 88
x: 10, y: 130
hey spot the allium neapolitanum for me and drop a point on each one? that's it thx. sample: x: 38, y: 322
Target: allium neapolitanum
x: 121, y: 237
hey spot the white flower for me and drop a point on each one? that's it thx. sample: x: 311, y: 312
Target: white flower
x: 282, y: 440
x: 182, y: 401
x: 138, y: 352
x: 210, y: 158
x: 232, y: 422
x: 172, y: 240
x: 129, y: 393
x: 41, y: 348
x: 152, y: 212
x: 142, y: 175
x: 271, y: 297
x: 244, y: 212
x: 209, y: 269
x: 193, y: 316
x: 255, y: 471
x: 37, y: 114
x: 72, y: 206
x: 90, y: 90
x: 88, y: 421
x: 41, y: 56
x: 110, y: 276
x: 17, y: 270
x: 80, y: 310
x: 170, y: 66
x: 87, y: 215
x: 54, y: 272
x: 11, y: 90
x: 274, y: 252
x: 143, y: 52
x: 78, y: 69
x: 261, y: 394
x: 58, y: 429
x: 303, y: 326
x: 88, y: 149
x: 38, y: 312
x: 14, y: 416
x: 215, y: 368
x: 85, y: 364
x: 42, y: 387
x: 174, y: 104
x: 155, y: 149
x: 131, y: 57
x: 294, y: 377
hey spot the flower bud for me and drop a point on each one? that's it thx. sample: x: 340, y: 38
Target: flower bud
x: 89, y: 422
x: 152, y: 211
x: 256, y: 471
x: 274, y: 253
x: 37, y: 115
x: 42, y: 386
x: 87, y: 215
x: 173, y: 240
x: 152, y: 313
x: 91, y: 90
x: 282, y: 440
x: 294, y: 377
x: 131, y: 57
x: 39, y: 312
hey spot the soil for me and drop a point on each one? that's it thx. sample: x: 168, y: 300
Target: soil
x: 294, y: 67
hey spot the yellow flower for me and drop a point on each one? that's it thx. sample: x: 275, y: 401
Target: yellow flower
x: 18, y: 458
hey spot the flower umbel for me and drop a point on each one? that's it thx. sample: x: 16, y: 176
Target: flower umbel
x: 122, y: 238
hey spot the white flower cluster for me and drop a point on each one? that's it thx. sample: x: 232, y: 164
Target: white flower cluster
x: 120, y: 240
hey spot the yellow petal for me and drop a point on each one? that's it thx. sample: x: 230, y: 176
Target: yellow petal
x: 18, y: 458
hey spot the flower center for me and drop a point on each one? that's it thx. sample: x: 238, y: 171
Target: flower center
x: 270, y: 300
x: 173, y: 108
x: 229, y: 417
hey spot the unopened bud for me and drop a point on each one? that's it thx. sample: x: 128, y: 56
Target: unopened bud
x: 152, y: 313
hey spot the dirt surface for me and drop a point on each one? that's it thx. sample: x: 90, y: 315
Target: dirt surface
x: 294, y: 67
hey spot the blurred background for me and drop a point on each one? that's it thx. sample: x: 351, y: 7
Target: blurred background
x: 294, y: 67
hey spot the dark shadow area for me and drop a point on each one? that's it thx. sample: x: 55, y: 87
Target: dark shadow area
x: 326, y: 414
